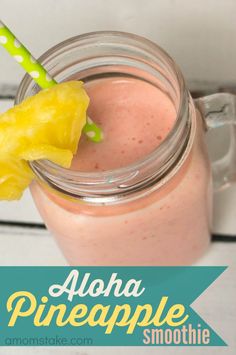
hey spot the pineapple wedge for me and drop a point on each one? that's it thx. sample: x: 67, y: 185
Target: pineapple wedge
x: 45, y: 126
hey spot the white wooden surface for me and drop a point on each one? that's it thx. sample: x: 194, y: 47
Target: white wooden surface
x: 198, y: 34
x: 217, y: 305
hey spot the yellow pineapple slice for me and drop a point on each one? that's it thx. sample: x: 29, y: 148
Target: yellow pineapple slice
x: 15, y: 176
x: 45, y: 126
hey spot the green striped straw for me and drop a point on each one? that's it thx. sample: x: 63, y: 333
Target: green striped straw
x: 21, y: 54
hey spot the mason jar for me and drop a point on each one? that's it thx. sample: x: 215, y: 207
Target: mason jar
x: 156, y: 210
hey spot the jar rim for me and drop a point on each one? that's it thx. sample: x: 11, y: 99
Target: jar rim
x: 56, y: 176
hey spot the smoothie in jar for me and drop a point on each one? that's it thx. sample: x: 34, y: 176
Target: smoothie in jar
x: 169, y: 226
x: 143, y: 195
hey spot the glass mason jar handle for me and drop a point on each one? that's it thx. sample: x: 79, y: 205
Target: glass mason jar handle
x: 218, y: 110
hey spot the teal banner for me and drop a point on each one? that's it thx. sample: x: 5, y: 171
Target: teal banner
x: 104, y: 306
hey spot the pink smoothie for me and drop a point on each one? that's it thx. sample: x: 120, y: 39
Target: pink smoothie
x: 170, y: 226
x: 135, y: 118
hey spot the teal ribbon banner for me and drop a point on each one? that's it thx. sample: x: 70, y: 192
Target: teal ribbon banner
x: 104, y: 306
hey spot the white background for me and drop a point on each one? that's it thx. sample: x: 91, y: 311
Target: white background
x: 199, y: 34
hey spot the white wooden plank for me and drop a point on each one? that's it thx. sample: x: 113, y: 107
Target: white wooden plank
x: 198, y: 34
x: 23, y: 210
